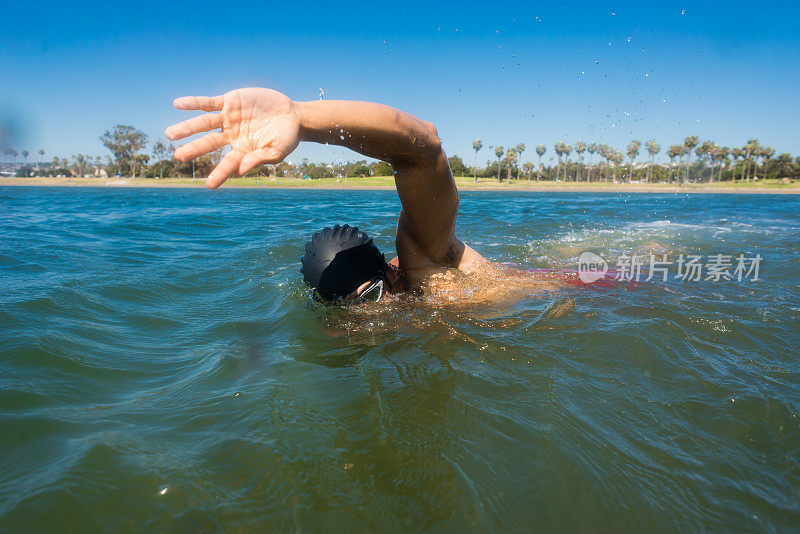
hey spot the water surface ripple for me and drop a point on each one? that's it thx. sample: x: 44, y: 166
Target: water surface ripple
x: 162, y: 368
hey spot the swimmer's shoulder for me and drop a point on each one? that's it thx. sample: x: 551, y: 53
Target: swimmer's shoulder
x: 469, y: 263
x: 472, y: 262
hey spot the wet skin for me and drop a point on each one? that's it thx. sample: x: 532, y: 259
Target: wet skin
x: 263, y: 126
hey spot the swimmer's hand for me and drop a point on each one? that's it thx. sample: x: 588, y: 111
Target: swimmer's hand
x: 260, y: 125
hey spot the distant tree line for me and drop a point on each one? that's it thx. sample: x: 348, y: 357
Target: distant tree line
x: 690, y: 161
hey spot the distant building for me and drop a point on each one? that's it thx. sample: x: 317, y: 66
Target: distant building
x: 9, y: 169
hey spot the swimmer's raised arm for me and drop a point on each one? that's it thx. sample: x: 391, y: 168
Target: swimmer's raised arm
x: 426, y: 228
x: 264, y: 126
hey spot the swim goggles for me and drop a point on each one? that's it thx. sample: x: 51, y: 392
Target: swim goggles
x: 374, y: 291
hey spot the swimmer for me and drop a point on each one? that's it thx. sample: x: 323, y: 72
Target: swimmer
x: 263, y: 126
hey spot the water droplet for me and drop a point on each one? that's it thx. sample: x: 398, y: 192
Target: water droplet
x: 683, y: 11
x: 341, y: 137
x: 163, y: 491
x: 596, y: 61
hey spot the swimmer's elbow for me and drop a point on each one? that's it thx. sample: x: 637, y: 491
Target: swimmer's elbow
x: 416, y: 142
x: 428, y: 144
x: 432, y: 139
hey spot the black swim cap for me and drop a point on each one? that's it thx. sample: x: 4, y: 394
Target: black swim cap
x: 339, y: 259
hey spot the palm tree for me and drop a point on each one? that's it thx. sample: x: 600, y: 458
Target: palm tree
x: 672, y: 154
x: 653, y: 148
x: 766, y: 154
x: 688, y: 144
x: 80, y: 164
x: 592, y: 148
x: 499, y: 151
x: 520, y: 148
x: 476, y: 146
x: 567, y: 152
x: 722, y: 156
x: 750, y: 150
x: 745, y: 164
x: 608, y: 155
x: 25, y: 155
x: 676, y: 151
x: 560, y: 148
x: 603, y: 151
x: 685, y: 154
x: 580, y: 148
x: 619, y: 159
x: 633, y: 151
x: 540, y: 150
x: 736, y: 153
x: 511, y: 156
x: 528, y: 168
x: 41, y: 155
x: 714, y: 156
x: 703, y: 151
x: 615, y: 157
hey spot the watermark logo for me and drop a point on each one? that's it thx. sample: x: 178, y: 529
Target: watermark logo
x: 591, y: 267
x: 688, y: 267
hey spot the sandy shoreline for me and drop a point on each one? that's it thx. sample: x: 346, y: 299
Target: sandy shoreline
x: 386, y: 183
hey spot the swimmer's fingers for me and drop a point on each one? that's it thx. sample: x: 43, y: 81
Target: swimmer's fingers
x: 201, y: 146
x: 253, y: 159
x: 202, y: 123
x: 224, y: 169
x: 199, y: 103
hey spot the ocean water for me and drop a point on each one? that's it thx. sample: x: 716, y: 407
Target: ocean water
x: 162, y: 368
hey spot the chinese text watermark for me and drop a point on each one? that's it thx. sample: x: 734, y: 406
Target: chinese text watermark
x: 684, y: 267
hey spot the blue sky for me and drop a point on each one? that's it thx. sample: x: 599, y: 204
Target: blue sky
x: 504, y: 72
